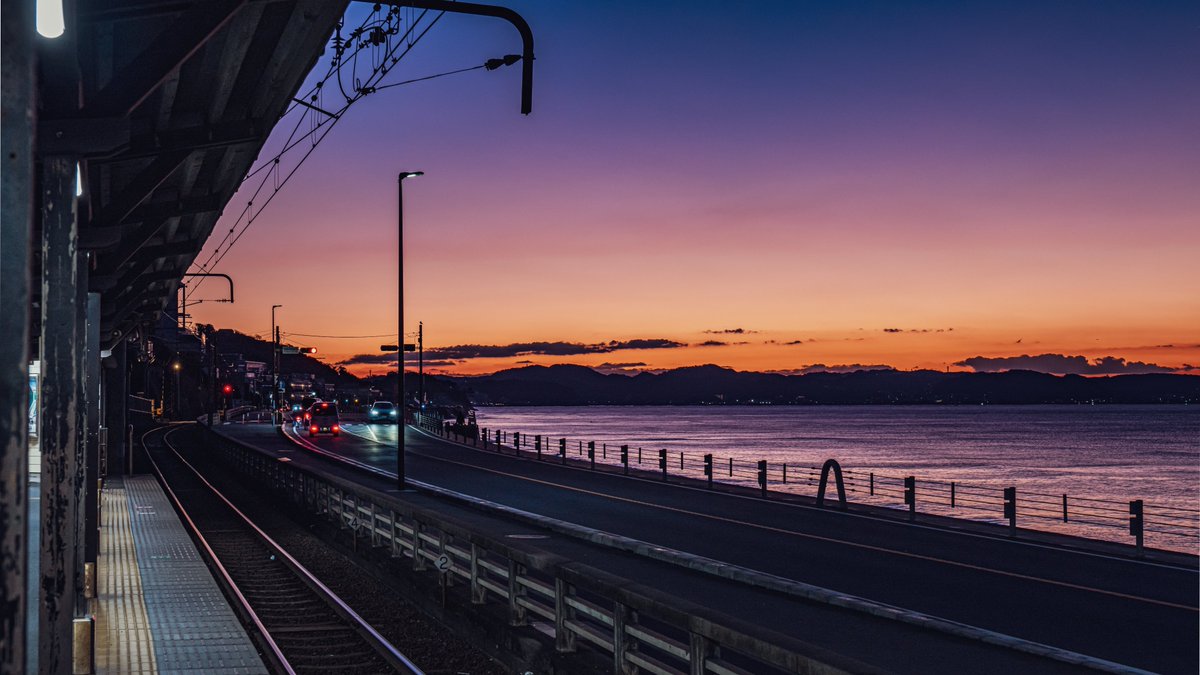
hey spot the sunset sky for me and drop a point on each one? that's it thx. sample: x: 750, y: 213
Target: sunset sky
x: 851, y: 183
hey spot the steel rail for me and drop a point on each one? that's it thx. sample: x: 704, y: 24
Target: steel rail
x: 396, y: 659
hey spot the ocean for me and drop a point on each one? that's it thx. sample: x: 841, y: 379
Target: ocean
x: 1100, y: 456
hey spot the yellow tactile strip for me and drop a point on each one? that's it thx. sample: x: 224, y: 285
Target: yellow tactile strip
x: 124, y: 643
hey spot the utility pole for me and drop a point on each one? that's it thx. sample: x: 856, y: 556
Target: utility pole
x: 421, y: 360
x: 400, y: 479
x: 274, y: 362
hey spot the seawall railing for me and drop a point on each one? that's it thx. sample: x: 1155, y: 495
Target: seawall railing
x: 1132, y: 522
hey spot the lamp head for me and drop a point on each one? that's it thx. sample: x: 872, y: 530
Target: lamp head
x: 411, y: 174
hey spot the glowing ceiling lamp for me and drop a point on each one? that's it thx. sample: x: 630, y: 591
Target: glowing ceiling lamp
x: 50, y: 21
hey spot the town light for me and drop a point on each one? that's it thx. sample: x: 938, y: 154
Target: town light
x: 50, y: 21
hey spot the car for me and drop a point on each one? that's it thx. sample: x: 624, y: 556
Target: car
x: 323, y: 418
x: 382, y: 411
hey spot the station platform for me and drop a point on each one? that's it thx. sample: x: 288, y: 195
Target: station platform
x: 157, y: 607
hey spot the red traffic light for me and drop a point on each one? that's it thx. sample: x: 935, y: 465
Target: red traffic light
x: 228, y: 389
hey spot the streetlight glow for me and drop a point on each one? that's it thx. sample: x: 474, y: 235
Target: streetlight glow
x: 411, y: 174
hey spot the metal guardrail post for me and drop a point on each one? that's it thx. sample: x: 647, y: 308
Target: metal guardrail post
x: 1010, y: 509
x: 762, y: 476
x: 662, y: 462
x: 731, y: 467
x: 785, y: 473
x: 537, y: 445
x: 592, y: 454
x: 517, y: 441
x: 708, y: 469
x: 564, y: 638
x: 872, y: 484
x: 562, y: 450
x: 1064, y: 507
x: 604, y: 451
x: 1137, y: 522
x: 625, y: 458
x: 483, y: 433
x: 952, y: 495
x: 699, y: 649
x: 418, y: 561
x: 910, y: 496
x: 499, y: 442
x: 621, y: 640
x: 681, y: 461
x: 516, y: 613
x: 478, y: 590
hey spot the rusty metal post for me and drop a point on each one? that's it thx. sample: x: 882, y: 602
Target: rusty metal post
x: 16, y: 227
x: 91, y: 459
x: 60, y: 357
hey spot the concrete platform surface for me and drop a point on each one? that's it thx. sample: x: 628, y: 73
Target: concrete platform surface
x: 158, y: 608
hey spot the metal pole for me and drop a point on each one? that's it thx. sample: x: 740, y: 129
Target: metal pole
x: 274, y: 364
x: 16, y: 227
x: 421, y: 359
x: 400, y: 330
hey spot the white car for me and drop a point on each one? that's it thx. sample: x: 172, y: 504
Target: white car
x: 383, y: 412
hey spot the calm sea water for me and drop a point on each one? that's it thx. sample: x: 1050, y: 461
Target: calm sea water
x: 1109, y: 453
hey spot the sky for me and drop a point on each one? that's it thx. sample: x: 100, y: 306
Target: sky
x: 772, y: 186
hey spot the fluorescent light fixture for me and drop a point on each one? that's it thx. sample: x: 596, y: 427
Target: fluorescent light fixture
x: 50, y: 22
x: 78, y: 181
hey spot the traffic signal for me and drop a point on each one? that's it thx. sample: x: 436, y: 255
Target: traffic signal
x: 228, y: 389
x: 308, y: 350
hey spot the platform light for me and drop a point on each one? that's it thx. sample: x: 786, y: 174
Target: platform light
x: 50, y: 21
x: 78, y: 181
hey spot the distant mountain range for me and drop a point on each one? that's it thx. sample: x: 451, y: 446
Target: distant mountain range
x: 714, y: 385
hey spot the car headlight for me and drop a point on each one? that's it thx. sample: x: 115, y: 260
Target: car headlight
x: 374, y: 413
x: 393, y: 413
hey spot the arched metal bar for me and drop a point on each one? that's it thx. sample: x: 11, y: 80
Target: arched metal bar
x: 837, y: 477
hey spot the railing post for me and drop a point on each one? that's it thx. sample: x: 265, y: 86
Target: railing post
x: 394, y: 540
x: 562, y: 450
x: 1010, y: 509
x: 681, y: 460
x: 910, y: 496
x: 662, y: 462
x: 952, y: 495
x: 1137, y: 523
x: 708, y: 469
x: 604, y: 451
x: 762, y: 476
x: 699, y: 649
x: 517, y: 442
x: 785, y: 473
x: 483, y: 433
x: 418, y: 561
x: 499, y: 441
x: 872, y: 483
x: 625, y: 458
x: 516, y: 613
x: 622, y: 643
x: 731, y: 467
x: 592, y: 454
x: 1064, y: 507
x: 537, y: 445
x: 478, y: 590
x: 564, y: 638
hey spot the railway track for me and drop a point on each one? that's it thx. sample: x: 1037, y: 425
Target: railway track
x: 301, y: 625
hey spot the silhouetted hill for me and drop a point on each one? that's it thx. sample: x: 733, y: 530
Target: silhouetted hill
x: 578, y: 385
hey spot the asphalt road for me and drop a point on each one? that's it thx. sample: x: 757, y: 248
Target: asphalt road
x: 1131, y: 612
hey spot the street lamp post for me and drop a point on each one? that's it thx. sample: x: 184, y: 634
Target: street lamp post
x: 400, y: 481
x: 274, y: 363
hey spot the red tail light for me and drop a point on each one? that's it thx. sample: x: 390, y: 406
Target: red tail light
x: 336, y: 428
x: 312, y: 429
x: 307, y: 416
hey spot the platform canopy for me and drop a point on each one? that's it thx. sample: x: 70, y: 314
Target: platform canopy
x: 165, y: 104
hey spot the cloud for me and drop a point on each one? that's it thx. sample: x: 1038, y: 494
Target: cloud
x: 918, y: 330
x: 712, y: 343
x: 1061, y: 364
x: 731, y: 331
x: 840, y: 368
x: 631, y: 368
x: 795, y: 342
x: 381, y: 359
x: 549, y: 348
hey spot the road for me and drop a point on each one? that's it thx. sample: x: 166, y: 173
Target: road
x: 1131, y: 612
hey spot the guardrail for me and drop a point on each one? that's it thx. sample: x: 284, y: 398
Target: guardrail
x: 1132, y: 522
x: 633, y: 626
